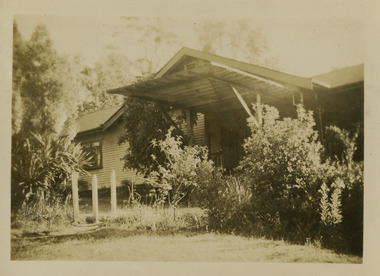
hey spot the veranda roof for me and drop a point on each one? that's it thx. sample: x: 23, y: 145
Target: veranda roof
x: 204, y: 82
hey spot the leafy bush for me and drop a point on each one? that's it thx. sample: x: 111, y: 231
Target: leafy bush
x: 184, y: 170
x: 227, y: 200
x: 42, y: 167
x: 297, y: 192
x: 350, y: 175
x: 145, y: 121
x: 283, y: 163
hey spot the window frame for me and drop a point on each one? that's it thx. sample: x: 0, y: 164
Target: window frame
x: 100, y: 146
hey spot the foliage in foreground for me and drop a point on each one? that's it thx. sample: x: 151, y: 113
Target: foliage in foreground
x: 283, y: 162
x: 140, y: 217
x: 42, y: 168
x: 44, y: 215
x: 288, y: 189
x: 185, y: 168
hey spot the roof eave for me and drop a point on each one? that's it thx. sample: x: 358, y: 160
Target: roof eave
x: 243, y: 66
x: 89, y: 131
x: 103, y: 127
x: 339, y: 88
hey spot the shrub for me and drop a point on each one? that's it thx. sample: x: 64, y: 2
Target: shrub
x: 143, y: 193
x: 350, y: 175
x: 297, y: 194
x: 185, y: 169
x: 283, y: 162
x: 227, y: 200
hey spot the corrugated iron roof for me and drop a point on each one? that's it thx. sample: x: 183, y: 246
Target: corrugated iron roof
x: 341, y: 77
x: 203, y: 82
x: 97, y: 119
x: 207, y: 87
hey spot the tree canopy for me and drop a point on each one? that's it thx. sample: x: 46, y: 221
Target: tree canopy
x: 236, y: 40
x: 46, y: 87
x: 46, y: 95
x: 144, y: 122
x: 111, y: 71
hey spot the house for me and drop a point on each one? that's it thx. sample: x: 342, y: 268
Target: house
x: 340, y: 97
x: 98, y: 134
x: 223, y: 90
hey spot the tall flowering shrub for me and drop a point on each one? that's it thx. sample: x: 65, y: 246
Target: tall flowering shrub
x: 350, y: 176
x: 297, y: 192
x: 283, y: 161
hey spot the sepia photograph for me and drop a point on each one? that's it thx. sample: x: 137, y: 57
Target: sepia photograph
x: 185, y: 137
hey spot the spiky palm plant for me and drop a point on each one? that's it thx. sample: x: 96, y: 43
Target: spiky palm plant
x: 42, y: 166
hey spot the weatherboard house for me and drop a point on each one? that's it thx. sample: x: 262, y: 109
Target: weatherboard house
x: 98, y: 133
x: 223, y: 90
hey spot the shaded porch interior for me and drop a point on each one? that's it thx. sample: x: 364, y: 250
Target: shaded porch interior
x: 223, y: 90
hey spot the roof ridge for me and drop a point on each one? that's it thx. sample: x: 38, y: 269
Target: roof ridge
x: 100, y: 110
x: 241, y: 65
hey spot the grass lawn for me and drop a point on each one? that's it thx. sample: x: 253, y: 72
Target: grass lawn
x: 109, y: 244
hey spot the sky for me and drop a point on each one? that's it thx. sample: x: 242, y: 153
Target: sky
x: 306, y: 45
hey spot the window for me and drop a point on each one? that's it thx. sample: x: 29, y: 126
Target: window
x: 95, y: 151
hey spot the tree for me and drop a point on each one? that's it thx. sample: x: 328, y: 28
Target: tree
x: 46, y: 96
x: 154, y: 40
x: 236, y: 40
x: 144, y: 122
x: 46, y: 84
x: 17, y: 78
x: 111, y: 71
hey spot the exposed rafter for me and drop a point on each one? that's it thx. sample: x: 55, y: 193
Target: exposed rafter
x: 244, y: 104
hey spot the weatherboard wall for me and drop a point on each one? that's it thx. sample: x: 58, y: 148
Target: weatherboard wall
x: 112, y: 154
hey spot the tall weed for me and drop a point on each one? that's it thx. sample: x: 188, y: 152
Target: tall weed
x: 141, y: 217
x: 351, y: 177
x: 44, y: 215
x: 227, y: 200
